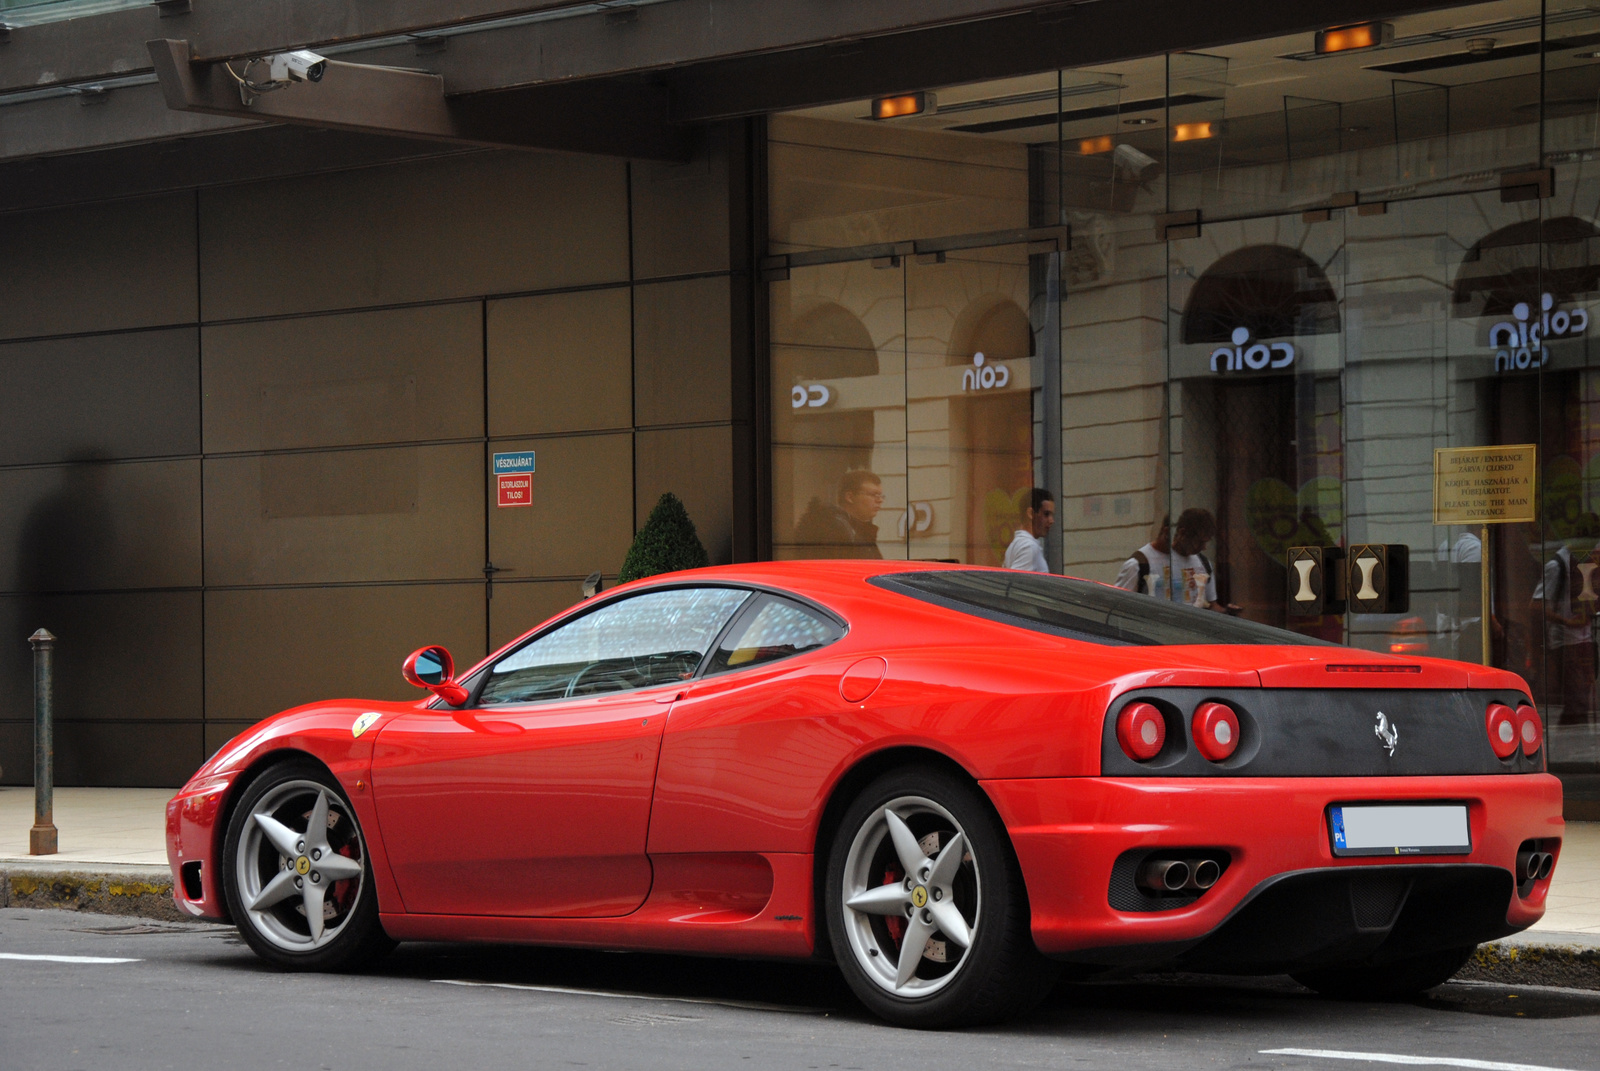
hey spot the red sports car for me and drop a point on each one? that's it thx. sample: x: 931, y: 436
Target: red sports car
x: 951, y: 780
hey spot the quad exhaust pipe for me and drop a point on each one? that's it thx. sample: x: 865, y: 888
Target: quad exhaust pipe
x: 1175, y: 875
x: 1534, y: 866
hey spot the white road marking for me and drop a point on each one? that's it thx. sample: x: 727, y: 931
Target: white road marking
x: 66, y: 959
x: 1414, y: 1061
x: 751, y: 1005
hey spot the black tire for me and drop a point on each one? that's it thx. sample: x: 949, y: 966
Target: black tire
x: 1001, y: 974
x: 1396, y: 980
x: 280, y: 933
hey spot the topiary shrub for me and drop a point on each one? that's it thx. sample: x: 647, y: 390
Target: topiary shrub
x: 666, y: 543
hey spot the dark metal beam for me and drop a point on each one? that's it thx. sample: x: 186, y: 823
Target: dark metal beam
x: 1015, y: 44
x: 609, y: 119
x: 648, y: 37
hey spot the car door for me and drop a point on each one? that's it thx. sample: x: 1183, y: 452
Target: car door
x: 534, y: 798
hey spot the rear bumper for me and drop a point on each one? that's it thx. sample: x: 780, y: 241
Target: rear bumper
x: 1284, y: 900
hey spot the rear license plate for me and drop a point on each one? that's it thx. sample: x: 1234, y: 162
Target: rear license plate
x: 1393, y: 829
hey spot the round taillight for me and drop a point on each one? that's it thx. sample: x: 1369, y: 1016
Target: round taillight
x: 1216, y: 730
x: 1530, y: 730
x: 1141, y: 730
x: 1502, y: 727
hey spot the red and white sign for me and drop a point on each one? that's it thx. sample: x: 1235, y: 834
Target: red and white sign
x: 515, y: 488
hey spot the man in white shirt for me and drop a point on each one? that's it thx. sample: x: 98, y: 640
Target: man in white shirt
x: 1027, y: 546
x: 1173, y: 565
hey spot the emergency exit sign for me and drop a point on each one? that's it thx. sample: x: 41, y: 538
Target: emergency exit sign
x: 513, y: 478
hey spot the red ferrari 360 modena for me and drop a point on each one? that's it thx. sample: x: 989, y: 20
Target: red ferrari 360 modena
x: 950, y: 780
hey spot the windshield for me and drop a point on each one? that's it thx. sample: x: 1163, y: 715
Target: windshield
x: 1081, y: 610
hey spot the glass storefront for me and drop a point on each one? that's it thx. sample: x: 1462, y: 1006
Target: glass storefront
x: 1263, y: 281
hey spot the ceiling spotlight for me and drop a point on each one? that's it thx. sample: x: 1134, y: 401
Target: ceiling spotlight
x: 1480, y: 46
x: 1195, y: 131
x: 1144, y: 120
x: 1350, y: 38
x: 903, y: 105
x: 1586, y: 55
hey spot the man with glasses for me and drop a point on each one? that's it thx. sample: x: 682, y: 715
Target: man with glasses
x: 845, y: 530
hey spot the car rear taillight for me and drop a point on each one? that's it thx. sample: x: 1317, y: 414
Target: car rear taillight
x: 1501, y: 724
x: 1142, y: 731
x: 1216, y: 730
x: 1530, y: 730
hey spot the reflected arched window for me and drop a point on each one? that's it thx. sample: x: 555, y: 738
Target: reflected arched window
x: 1274, y: 291
x: 1504, y: 267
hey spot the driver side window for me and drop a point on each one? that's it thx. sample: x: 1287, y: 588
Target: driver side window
x: 655, y: 638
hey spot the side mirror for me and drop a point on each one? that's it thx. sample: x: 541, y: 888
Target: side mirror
x: 433, y: 668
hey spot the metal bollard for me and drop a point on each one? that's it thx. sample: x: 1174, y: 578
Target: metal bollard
x: 42, y: 837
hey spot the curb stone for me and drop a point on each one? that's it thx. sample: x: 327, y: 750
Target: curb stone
x: 1571, y: 961
x: 103, y: 888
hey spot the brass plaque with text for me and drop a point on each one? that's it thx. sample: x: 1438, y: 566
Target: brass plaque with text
x: 1483, y: 484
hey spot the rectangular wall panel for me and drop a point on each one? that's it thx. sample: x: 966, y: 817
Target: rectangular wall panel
x: 269, y: 650
x: 560, y: 362
x: 581, y: 519
x: 459, y: 227
x: 681, y: 213
x: 683, y: 351
x: 342, y: 516
x: 394, y: 375
x: 696, y: 464
x: 107, y: 755
x: 100, y: 397
x: 100, y: 267
x: 521, y: 605
x: 88, y: 527
x: 119, y: 656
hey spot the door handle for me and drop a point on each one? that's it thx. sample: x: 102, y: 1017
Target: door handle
x: 670, y: 698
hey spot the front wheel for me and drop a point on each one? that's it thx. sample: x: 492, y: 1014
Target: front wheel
x: 296, y: 875
x: 1396, y: 980
x: 926, y: 907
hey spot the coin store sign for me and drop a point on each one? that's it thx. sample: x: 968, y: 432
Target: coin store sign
x: 1483, y: 484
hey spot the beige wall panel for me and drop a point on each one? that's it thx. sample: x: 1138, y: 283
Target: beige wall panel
x: 133, y: 655
x: 560, y: 362
x: 458, y: 227
x: 518, y: 607
x: 107, y: 755
x: 374, y: 377
x: 581, y: 519
x: 680, y: 215
x: 89, y: 527
x: 696, y: 464
x: 102, y: 267
x: 269, y: 650
x: 103, y: 396
x: 682, y: 352
x: 399, y: 513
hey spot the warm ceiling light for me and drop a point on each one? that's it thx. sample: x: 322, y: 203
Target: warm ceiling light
x: 1091, y: 146
x: 1194, y: 131
x: 904, y: 104
x: 1348, y: 38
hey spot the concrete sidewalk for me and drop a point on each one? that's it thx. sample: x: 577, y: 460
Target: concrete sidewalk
x: 113, y: 858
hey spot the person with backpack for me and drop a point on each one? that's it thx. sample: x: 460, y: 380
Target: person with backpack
x: 1173, y: 565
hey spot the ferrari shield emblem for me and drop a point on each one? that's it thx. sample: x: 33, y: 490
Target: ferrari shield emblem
x: 365, y: 722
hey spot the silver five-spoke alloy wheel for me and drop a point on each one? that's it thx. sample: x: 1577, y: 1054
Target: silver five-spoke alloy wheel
x: 912, y: 897
x: 299, y: 866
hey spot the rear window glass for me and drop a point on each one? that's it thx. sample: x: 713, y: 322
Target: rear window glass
x: 1080, y: 610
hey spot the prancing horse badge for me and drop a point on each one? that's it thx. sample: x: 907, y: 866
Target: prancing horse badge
x: 1386, y: 732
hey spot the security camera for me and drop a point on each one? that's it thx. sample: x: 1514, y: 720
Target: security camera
x: 1135, y: 164
x: 301, y: 66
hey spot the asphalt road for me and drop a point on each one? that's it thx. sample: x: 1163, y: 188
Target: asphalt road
x: 195, y: 997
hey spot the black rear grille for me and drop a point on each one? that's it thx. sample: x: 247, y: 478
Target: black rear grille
x: 1310, y: 732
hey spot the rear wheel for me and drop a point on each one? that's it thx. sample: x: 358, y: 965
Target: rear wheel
x: 1395, y: 980
x: 296, y: 875
x: 926, y: 907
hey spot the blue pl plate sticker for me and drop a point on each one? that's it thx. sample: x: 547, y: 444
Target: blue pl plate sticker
x: 505, y: 464
x: 1338, y: 827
